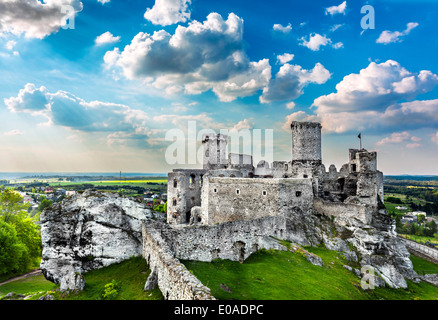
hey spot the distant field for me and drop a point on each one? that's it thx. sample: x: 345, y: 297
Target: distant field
x: 109, y: 182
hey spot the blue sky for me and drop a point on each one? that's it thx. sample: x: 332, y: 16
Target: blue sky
x: 102, y: 95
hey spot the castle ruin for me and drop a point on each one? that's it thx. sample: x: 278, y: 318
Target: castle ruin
x: 231, y: 188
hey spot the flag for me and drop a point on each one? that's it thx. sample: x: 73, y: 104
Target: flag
x: 359, y: 136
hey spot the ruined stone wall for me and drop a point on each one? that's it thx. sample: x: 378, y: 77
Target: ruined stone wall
x: 234, y: 241
x: 240, y: 161
x: 231, y: 199
x: 343, y: 210
x: 173, y: 278
x: 183, y: 193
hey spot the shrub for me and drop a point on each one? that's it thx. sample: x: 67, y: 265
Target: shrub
x: 111, y: 290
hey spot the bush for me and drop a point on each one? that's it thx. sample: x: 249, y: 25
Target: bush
x: 111, y: 290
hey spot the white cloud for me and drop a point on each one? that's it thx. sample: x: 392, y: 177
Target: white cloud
x: 396, y: 137
x: 290, y: 81
x: 103, y: 1
x: 315, y: 42
x: 65, y: 109
x: 413, y: 145
x: 338, y: 45
x: 243, y: 124
x: 336, y: 27
x: 396, y: 36
x: 376, y: 87
x: 297, y: 116
x: 284, y: 58
x: 10, y: 45
x: 14, y: 132
x: 290, y: 105
x: 167, y: 12
x: 370, y: 99
x: 105, y: 38
x: 336, y: 9
x: 400, y: 137
x: 281, y: 28
x: 33, y: 18
x: 196, y: 58
x: 435, y: 138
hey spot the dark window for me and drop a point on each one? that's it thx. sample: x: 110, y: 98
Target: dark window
x: 201, y: 180
x: 192, y: 179
x: 214, y: 190
x: 298, y: 193
x: 353, y: 167
x: 175, y: 183
x: 264, y: 193
x: 305, y: 176
x: 237, y: 191
x: 174, y: 202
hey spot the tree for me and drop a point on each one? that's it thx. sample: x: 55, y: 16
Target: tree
x: 13, y: 254
x: 421, y: 218
x: 20, y: 237
x: 44, y: 204
x: 11, y: 203
x: 28, y: 233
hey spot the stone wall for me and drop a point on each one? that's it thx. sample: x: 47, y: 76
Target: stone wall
x: 343, y: 210
x: 423, y: 250
x: 232, y: 199
x: 171, y: 276
x: 183, y: 193
x: 234, y: 241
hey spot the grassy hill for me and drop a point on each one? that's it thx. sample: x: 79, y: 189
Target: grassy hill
x: 269, y: 275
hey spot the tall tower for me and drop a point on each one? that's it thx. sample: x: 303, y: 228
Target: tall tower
x: 215, y: 151
x: 306, y: 142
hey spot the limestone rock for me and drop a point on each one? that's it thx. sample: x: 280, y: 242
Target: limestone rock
x: 89, y: 231
x: 431, y: 278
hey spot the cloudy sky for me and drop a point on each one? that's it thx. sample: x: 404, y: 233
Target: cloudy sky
x: 100, y: 90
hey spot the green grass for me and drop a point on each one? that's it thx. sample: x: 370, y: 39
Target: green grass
x: 403, y: 198
x: 283, y: 275
x: 390, y: 207
x: 266, y: 275
x: 131, y: 276
x: 423, y: 266
x: 420, y: 239
x: 27, y: 286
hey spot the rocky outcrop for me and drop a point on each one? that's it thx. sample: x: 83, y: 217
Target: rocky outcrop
x: 375, y: 244
x: 87, y: 232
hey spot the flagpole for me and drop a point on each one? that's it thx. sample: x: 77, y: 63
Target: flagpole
x: 360, y: 139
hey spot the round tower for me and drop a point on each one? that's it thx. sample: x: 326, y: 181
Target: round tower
x: 306, y: 142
